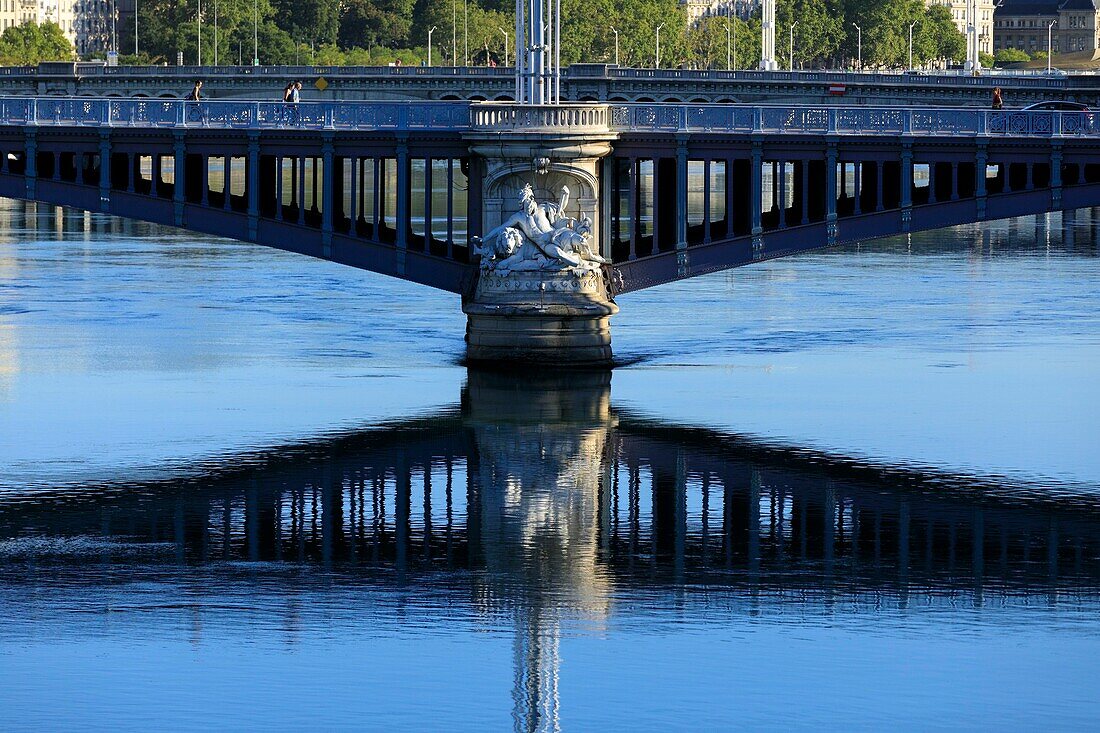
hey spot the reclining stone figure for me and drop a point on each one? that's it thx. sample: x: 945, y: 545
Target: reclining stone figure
x: 538, y: 237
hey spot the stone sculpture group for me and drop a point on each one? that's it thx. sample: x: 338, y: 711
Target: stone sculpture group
x: 539, y: 237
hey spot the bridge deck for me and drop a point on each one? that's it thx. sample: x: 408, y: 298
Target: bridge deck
x: 688, y: 189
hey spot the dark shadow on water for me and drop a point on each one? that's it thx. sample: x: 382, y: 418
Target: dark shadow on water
x: 532, y: 467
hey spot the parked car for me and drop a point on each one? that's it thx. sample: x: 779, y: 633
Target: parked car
x: 1056, y: 106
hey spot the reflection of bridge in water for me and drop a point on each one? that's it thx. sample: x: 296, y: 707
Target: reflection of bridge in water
x: 548, y: 505
x: 471, y: 487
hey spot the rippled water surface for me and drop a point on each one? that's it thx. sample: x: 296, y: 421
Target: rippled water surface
x: 240, y: 489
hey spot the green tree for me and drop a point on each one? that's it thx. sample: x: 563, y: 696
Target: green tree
x: 168, y: 26
x: 818, y: 35
x: 637, y: 21
x: 30, y: 43
x: 1011, y: 56
x: 885, y: 25
x: 312, y: 21
x: 368, y: 23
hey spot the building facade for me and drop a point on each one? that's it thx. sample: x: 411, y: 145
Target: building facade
x: 984, y: 10
x: 697, y: 9
x: 1025, y: 25
x: 86, y: 23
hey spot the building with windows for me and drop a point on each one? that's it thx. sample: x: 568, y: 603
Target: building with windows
x: 698, y: 9
x: 1024, y: 25
x: 984, y: 10
x: 86, y: 23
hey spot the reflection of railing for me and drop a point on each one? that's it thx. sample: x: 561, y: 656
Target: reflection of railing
x: 567, y: 118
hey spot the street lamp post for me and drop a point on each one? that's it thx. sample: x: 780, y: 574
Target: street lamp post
x: 200, y: 33
x: 215, y: 32
x: 729, y: 55
x: 657, y: 59
x: 454, y: 32
x: 430, y: 32
x: 859, y: 46
x: 505, y: 34
x: 790, y: 60
x: 465, y: 33
x: 255, y: 32
x: 613, y: 30
x: 135, y: 24
x: 911, y: 44
x: 1050, y: 35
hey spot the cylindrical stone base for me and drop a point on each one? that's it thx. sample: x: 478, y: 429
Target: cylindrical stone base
x: 540, y: 318
x: 539, y: 338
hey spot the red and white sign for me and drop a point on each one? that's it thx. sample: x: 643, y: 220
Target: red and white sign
x: 837, y: 89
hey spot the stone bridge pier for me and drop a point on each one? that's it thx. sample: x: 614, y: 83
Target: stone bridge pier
x: 543, y: 292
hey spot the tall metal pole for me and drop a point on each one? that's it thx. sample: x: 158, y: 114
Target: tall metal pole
x: 729, y: 55
x: 454, y: 32
x: 505, y: 34
x: 911, y: 44
x: 135, y: 23
x: 521, y: 55
x: 973, y: 60
x: 1050, y: 36
x: 465, y: 33
x: 859, y: 47
x: 557, y: 52
x: 767, y: 36
x: 790, y: 62
x: 430, y: 32
x: 200, y: 33
x: 657, y: 59
x: 215, y: 32
x: 255, y: 32
x: 616, y: 43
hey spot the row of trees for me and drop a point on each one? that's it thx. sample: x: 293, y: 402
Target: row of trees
x: 379, y: 31
x: 28, y: 44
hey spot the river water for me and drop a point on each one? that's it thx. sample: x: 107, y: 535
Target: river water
x: 242, y: 489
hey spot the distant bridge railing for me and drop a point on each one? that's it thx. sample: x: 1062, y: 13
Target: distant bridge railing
x: 489, y: 116
x: 1037, y: 78
x: 838, y: 120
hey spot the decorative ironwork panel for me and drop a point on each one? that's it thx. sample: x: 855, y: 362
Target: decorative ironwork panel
x: 946, y: 121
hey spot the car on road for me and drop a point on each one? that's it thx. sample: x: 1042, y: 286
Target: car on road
x: 1056, y: 106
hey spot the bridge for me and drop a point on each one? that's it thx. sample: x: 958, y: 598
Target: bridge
x: 580, y: 82
x: 659, y: 192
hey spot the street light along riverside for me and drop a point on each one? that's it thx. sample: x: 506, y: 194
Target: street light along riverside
x: 911, y: 44
x: 859, y: 47
x: 657, y: 59
x: 430, y: 32
x: 616, y: 43
x: 790, y: 61
x: 1050, y: 33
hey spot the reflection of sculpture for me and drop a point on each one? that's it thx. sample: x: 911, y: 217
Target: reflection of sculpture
x: 539, y: 237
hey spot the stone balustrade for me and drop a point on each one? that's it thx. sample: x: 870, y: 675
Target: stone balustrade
x: 563, y: 118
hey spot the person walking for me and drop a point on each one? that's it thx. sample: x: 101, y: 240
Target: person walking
x: 193, y: 108
x: 998, y: 100
x: 286, y: 100
x: 295, y: 99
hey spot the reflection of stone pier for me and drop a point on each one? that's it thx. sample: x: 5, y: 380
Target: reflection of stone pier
x: 543, y: 294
